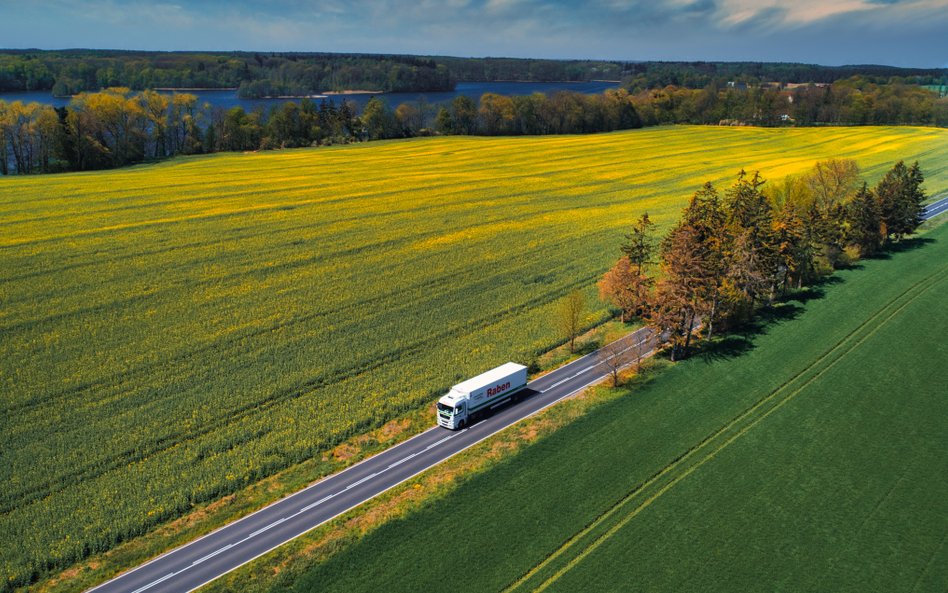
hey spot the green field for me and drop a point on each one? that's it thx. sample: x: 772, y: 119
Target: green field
x: 173, y: 332
x: 808, y: 455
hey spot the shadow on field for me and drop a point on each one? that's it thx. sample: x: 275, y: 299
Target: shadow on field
x: 740, y: 340
x: 909, y: 244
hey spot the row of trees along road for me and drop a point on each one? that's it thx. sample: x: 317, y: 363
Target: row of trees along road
x: 726, y: 256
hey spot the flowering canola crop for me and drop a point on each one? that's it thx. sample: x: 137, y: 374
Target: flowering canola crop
x: 175, y: 331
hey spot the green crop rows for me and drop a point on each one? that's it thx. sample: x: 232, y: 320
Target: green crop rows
x: 807, y: 457
x: 173, y: 332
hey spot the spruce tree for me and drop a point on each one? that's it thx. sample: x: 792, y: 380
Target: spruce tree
x: 864, y: 221
x: 639, y: 245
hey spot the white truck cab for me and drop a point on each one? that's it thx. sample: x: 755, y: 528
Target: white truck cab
x: 467, y: 401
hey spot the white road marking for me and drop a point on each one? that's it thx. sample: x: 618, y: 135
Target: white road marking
x: 363, y: 480
x: 212, y: 554
x: 313, y: 505
x: 153, y: 583
x: 935, y: 209
x: 436, y: 443
x: 421, y: 471
x: 399, y: 462
x: 571, y: 377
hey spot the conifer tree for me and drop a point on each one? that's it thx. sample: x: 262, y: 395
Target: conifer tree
x: 640, y: 244
x: 751, y: 258
x: 900, y: 198
x: 864, y: 221
x: 706, y: 218
x: 677, y: 302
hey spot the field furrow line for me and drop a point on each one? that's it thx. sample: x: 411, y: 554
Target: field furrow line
x: 753, y: 416
x: 237, y: 415
x: 231, y: 345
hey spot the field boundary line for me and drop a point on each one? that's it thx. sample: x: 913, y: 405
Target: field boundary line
x: 711, y: 455
x: 633, y: 335
x: 677, y: 462
x: 928, y: 565
x: 96, y: 469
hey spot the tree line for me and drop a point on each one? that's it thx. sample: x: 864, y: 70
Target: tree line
x: 853, y: 101
x: 256, y: 74
x: 640, y: 76
x: 728, y: 255
x: 68, y: 72
x: 117, y: 127
x: 496, y: 115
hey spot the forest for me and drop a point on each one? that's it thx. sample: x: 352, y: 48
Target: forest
x: 255, y: 74
x: 117, y: 127
x: 70, y: 72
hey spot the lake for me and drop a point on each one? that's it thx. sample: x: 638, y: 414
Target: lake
x: 228, y: 98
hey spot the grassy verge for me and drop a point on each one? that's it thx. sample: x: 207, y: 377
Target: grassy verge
x: 829, y: 465
x: 205, y: 518
x: 247, y: 313
x: 283, y: 567
x: 837, y: 484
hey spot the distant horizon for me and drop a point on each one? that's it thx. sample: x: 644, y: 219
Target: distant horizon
x: 448, y: 55
x: 900, y: 33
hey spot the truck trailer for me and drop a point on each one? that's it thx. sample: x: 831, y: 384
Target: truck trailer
x: 468, y: 401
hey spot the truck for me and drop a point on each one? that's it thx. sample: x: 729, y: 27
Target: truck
x: 466, y: 402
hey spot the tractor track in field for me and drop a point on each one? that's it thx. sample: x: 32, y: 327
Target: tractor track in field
x: 613, y: 520
x: 120, y: 459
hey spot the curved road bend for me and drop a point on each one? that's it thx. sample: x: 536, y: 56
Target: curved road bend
x: 203, y: 560
x: 207, y: 558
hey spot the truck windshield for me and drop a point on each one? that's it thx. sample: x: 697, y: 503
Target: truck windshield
x: 444, y: 408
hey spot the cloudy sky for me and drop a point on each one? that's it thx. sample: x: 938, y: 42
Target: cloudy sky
x: 832, y: 32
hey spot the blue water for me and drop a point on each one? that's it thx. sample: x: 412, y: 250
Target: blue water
x: 474, y: 90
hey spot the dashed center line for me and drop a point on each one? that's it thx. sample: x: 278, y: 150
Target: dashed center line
x: 367, y: 478
x: 294, y: 515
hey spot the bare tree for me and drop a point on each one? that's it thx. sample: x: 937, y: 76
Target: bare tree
x: 624, y: 353
x: 614, y: 356
x: 569, y: 317
x: 639, y: 348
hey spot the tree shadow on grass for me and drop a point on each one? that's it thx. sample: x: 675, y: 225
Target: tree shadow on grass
x: 813, y: 292
x: 741, y: 339
x: 909, y: 244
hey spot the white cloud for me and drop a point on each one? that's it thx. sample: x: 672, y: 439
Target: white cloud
x: 797, y: 13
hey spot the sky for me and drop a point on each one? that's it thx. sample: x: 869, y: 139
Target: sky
x: 829, y: 32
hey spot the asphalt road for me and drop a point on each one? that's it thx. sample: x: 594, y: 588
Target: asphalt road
x: 205, y: 559
x: 936, y: 208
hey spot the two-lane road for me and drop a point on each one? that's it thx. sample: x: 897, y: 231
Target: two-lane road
x: 203, y: 560
x: 936, y: 208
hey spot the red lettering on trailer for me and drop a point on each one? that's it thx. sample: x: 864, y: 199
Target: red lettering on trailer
x: 492, y: 391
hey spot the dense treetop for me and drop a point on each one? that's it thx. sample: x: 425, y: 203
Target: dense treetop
x: 68, y: 72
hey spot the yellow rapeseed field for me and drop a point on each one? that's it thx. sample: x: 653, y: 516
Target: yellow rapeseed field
x: 171, y: 332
